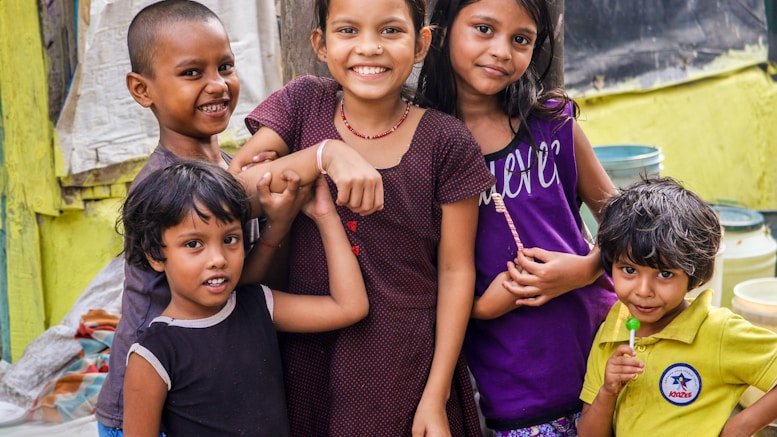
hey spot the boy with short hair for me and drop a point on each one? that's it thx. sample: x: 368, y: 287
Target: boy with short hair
x: 183, y: 69
x: 690, y: 362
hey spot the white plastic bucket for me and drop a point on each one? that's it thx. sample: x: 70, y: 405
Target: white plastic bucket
x: 751, y: 251
x: 756, y: 301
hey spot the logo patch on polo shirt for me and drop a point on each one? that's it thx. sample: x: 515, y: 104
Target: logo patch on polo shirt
x: 680, y: 384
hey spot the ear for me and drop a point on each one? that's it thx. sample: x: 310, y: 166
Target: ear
x: 422, y: 44
x: 138, y: 88
x: 155, y: 264
x: 318, y: 42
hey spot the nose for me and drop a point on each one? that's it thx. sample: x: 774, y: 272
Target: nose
x: 643, y: 287
x: 217, y: 258
x: 369, y: 45
x: 500, y: 49
x: 216, y: 83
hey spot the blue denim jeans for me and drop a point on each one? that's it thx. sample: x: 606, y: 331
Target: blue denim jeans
x: 108, y: 431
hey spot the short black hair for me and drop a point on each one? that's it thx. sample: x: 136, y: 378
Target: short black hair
x: 144, y: 28
x: 168, y: 195
x: 657, y: 223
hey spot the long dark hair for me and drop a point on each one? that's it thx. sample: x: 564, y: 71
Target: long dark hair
x: 523, y: 99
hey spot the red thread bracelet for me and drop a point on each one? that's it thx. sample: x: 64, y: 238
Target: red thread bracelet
x: 319, y: 152
x: 266, y: 243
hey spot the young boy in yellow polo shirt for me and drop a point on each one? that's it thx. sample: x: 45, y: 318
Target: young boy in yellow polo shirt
x: 690, y: 362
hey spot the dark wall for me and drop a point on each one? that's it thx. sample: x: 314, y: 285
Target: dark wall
x: 618, y: 40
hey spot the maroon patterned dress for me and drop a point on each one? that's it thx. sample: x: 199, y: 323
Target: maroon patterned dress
x: 367, y: 379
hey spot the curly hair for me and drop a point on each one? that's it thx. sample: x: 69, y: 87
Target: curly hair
x: 657, y: 223
x: 167, y: 196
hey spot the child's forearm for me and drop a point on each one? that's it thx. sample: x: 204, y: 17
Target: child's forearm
x: 753, y: 418
x: 259, y: 259
x: 496, y: 301
x: 346, y: 284
x: 455, y: 292
x: 596, y: 419
x: 302, y: 162
x: 359, y: 184
x: 594, y: 259
x: 454, y: 298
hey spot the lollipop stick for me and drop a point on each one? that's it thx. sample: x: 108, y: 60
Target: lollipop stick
x: 499, y: 205
x: 632, y: 325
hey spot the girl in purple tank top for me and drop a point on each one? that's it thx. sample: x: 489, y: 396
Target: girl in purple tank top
x: 540, y: 294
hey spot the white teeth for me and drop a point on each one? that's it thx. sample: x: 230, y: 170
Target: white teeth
x: 369, y: 70
x: 213, y: 108
x: 215, y: 282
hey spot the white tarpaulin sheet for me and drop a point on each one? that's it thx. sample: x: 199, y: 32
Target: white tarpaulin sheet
x: 102, y: 125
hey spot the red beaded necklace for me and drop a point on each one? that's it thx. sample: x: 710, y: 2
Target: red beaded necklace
x: 372, y: 137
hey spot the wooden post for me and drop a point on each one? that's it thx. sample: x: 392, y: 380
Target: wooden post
x: 771, y: 25
x: 298, y: 58
x: 555, y: 77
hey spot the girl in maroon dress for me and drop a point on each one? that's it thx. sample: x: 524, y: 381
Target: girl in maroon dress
x: 399, y: 371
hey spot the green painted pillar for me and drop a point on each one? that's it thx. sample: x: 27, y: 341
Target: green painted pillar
x: 5, y: 339
x: 30, y: 184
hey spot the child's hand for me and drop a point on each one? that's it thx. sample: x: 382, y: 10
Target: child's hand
x: 621, y: 368
x: 281, y: 208
x: 263, y: 146
x: 264, y: 156
x: 556, y: 273
x: 359, y: 184
x: 320, y: 205
x: 431, y: 420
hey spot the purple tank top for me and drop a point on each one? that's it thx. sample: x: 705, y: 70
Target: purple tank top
x: 529, y: 364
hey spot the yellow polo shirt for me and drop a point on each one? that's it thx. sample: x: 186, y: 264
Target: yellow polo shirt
x: 695, y: 370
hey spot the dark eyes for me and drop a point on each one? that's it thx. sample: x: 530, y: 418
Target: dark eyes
x: 482, y: 28
x: 223, y: 68
x: 517, y: 39
x: 665, y: 274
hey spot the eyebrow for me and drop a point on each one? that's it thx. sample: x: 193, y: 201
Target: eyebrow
x: 387, y: 20
x: 187, y: 62
x: 491, y: 20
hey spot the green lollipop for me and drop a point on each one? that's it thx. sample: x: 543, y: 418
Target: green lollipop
x: 632, y: 325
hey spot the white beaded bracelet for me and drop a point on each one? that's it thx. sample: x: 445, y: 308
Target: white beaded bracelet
x: 319, y: 152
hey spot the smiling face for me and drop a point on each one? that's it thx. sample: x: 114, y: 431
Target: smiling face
x: 203, y: 262
x: 370, y: 49
x: 194, y: 87
x: 655, y: 297
x: 491, y: 46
